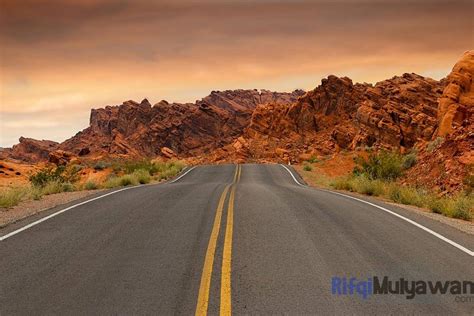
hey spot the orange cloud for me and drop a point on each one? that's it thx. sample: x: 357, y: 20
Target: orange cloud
x: 69, y: 56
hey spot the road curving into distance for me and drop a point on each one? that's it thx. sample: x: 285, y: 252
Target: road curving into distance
x: 241, y: 239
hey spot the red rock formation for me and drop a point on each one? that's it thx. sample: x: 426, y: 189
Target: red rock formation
x: 139, y: 129
x: 458, y: 96
x: 30, y: 150
x: 395, y: 113
x: 448, y: 165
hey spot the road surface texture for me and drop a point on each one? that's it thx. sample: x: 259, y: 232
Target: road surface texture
x: 226, y: 239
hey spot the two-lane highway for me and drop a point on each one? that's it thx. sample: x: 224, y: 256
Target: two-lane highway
x: 226, y: 239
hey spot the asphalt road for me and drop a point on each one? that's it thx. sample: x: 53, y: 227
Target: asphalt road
x: 221, y: 239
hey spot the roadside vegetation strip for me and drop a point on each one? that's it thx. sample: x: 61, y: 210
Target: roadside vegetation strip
x: 60, y: 212
x: 378, y: 175
x: 74, y: 206
x: 443, y: 238
x: 226, y: 275
x: 51, y: 180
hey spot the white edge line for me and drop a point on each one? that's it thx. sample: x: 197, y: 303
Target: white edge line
x: 449, y: 241
x: 2, y: 238
x: 291, y: 173
x: 181, y: 175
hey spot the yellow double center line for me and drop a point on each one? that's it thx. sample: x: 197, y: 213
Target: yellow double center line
x: 226, y: 295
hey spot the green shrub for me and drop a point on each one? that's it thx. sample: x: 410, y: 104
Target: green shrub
x: 112, y: 182
x: 142, y: 176
x: 439, y: 205
x: 10, y: 197
x: 406, y: 195
x: 307, y: 168
x: 364, y: 185
x: 342, y: 183
x: 61, y: 174
x: 409, y: 160
x: 313, y: 159
x: 100, y: 165
x: 91, y: 185
x: 144, y: 164
x: 383, y: 165
x: 67, y: 187
x: 51, y: 187
x: 468, y: 181
x: 434, y: 144
x: 127, y: 180
x: 463, y: 207
x: 46, y: 175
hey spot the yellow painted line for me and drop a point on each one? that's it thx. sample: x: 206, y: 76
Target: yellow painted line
x: 236, y: 173
x: 240, y: 171
x: 203, y: 297
x: 226, y: 295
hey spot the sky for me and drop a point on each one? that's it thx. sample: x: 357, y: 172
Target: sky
x: 60, y: 58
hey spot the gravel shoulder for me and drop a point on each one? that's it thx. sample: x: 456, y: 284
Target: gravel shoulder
x: 461, y: 225
x: 32, y: 207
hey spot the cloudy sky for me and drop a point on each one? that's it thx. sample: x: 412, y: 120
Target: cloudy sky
x: 60, y: 58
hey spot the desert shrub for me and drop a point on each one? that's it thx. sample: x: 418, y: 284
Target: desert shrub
x: 47, y: 175
x: 406, y: 195
x: 463, y: 207
x: 36, y: 193
x: 67, y: 187
x: 434, y: 144
x: 53, y: 187
x: 364, y: 185
x: 60, y: 174
x: 142, y: 176
x: 409, y: 160
x: 468, y: 181
x: 133, y: 165
x: 342, y: 183
x: 100, y: 165
x: 127, y: 180
x: 10, y: 197
x: 112, y: 182
x: 91, y: 185
x: 383, y: 165
x: 439, y: 205
x: 307, y: 168
x: 313, y: 159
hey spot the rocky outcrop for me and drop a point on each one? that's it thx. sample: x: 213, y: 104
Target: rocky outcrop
x: 30, y: 150
x: 457, y: 101
x: 395, y: 113
x: 447, y: 162
x: 190, y: 129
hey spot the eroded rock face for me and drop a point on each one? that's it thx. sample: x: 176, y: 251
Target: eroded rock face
x: 395, y: 113
x: 140, y: 129
x: 458, y: 96
x: 30, y: 150
x: 449, y: 165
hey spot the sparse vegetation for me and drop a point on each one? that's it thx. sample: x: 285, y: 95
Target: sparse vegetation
x: 51, y: 180
x: 60, y: 174
x: 100, y: 165
x: 377, y: 176
x: 383, y: 165
x: 91, y: 185
x: 313, y: 159
x: 434, y: 144
x: 457, y: 206
x: 12, y: 196
x: 409, y: 160
x: 307, y: 168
